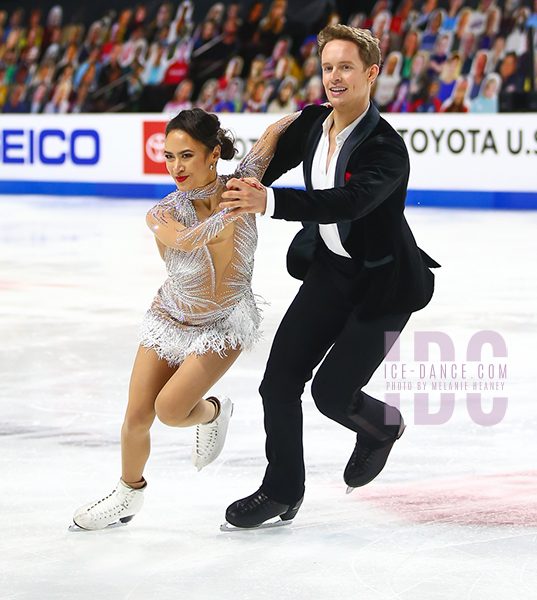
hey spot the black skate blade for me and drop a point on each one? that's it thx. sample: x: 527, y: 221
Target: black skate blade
x: 76, y: 529
x: 267, y: 525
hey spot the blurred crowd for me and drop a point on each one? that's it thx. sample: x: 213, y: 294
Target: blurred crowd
x: 437, y: 57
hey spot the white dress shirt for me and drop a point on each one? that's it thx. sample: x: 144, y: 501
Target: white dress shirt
x: 322, y: 178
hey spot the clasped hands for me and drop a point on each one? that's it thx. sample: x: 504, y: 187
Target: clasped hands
x: 244, y: 195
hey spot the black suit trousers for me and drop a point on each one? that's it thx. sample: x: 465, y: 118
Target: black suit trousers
x: 319, y: 320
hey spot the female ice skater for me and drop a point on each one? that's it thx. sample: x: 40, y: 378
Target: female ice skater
x: 202, y: 317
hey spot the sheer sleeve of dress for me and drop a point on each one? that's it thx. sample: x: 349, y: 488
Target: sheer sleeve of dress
x: 255, y: 163
x: 172, y: 233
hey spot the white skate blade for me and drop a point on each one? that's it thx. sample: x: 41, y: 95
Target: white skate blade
x: 75, y: 528
x: 267, y: 525
x: 350, y: 489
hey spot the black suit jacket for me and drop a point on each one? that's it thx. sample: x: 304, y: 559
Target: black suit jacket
x: 392, y: 274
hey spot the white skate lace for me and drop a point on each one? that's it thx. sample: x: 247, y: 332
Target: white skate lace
x: 206, y: 436
x: 110, y: 503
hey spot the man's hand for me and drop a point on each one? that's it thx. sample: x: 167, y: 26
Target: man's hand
x: 245, y: 195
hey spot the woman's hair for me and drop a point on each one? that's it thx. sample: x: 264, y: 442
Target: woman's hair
x: 204, y: 128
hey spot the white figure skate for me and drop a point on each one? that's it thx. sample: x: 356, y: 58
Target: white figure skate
x: 118, y: 508
x: 210, y: 437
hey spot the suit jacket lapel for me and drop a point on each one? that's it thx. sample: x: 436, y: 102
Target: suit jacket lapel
x: 311, y: 144
x: 360, y: 133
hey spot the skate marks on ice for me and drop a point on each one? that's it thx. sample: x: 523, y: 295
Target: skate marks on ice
x: 227, y: 527
x: 502, y: 499
x: 121, y: 523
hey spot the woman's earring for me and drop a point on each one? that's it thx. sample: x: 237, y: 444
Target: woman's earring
x: 212, y: 167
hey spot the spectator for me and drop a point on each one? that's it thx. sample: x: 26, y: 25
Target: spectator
x: 59, y: 104
x: 233, y: 70
x: 457, y: 101
x: 450, y: 18
x: 181, y: 98
x: 207, y: 33
x: 135, y: 48
x: 283, y: 70
x: 314, y: 93
x: 182, y: 25
x: 256, y: 74
x: 467, y: 50
x: 410, y: 47
x: 427, y: 10
x: 156, y: 65
x: 401, y: 103
x: 91, y: 65
x: 52, y: 53
x: 462, y: 28
x: 491, y: 28
x: 511, y: 81
x: 428, y: 41
x: 284, y: 101
x: 429, y: 102
x: 82, y: 102
x: 207, y: 96
x: 248, y: 34
x: 281, y: 49
x: 487, y: 100
x: 388, y: 81
x: 478, y: 71
x: 479, y: 17
x: 91, y: 43
x: 497, y: 54
x: 118, y: 33
x: 310, y: 68
x: 449, y: 75
x: 16, y: 102
x: 232, y: 100
x: 161, y: 21
x: 399, y: 20
x: 439, y: 56
x: 251, y: 24
x: 38, y: 98
x: 179, y: 66
x: 257, y: 103
x: 271, y: 27
x: 517, y: 39
x: 381, y: 23
x: 69, y: 58
x: 135, y: 87
x: 4, y: 86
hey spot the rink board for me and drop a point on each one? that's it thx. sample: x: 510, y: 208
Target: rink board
x: 480, y: 161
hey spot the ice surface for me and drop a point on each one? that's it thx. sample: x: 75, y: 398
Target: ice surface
x: 452, y: 516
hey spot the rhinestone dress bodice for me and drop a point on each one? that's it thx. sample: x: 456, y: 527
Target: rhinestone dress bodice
x: 207, y: 303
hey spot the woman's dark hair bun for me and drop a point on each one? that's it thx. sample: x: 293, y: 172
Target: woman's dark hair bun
x: 205, y: 128
x: 227, y: 144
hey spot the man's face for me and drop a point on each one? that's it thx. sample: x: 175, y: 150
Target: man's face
x: 508, y: 67
x: 346, y: 80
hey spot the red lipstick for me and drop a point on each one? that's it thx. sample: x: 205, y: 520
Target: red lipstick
x: 181, y: 179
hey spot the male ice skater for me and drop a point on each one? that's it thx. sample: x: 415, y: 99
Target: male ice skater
x: 363, y: 274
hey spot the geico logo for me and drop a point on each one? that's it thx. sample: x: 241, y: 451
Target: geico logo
x: 50, y: 146
x: 154, y: 147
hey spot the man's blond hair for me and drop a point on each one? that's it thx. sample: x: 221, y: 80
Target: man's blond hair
x: 368, y: 46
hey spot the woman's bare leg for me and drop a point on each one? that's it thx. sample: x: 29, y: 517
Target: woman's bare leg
x: 149, y: 375
x: 180, y: 403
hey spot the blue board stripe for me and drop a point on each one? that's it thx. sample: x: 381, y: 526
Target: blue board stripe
x: 439, y: 198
